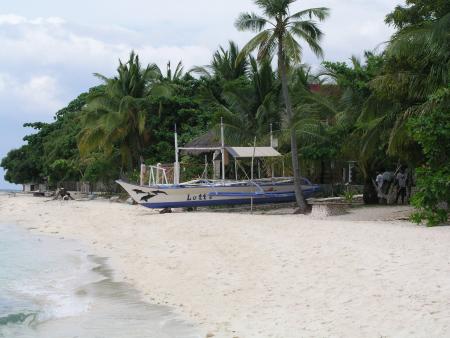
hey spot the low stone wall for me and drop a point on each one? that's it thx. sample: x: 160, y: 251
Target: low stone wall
x: 325, y: 210
x: 332, y: 206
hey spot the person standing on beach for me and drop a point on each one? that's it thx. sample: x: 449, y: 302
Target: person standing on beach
x: 378, y: 185
x: 379, y: 180
x: 401, y: 185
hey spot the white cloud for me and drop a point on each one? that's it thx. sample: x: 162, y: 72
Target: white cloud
x: 42, y: 91
x: 50, y: 20
x: 11, y: 19
x: 170, y: 30
x: 38, y: 43
x: 35, y: 97
x: 46, y: 62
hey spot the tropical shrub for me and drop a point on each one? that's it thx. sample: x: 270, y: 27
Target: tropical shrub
x: 432, y: 132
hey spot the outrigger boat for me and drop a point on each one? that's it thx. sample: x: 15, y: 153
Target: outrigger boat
x: 160, y: 194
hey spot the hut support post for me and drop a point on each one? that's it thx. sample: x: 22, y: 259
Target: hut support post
x: 222, y: 149
x: 176, y: 168
x: 259, y: 169
x: 158, y: 167
x: 253, y: 158
x: 271, y: 144
x: 142, y: 174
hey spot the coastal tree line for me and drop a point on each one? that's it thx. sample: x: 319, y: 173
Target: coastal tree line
x: 390, y: 107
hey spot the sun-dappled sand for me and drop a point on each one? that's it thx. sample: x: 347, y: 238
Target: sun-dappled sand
x: 365, y: 274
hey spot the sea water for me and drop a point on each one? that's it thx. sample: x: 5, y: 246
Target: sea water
x: 52, y: 288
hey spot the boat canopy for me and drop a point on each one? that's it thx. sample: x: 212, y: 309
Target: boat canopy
x: 249, y: 152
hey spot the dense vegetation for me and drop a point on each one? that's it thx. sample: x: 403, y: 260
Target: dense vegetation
x: 388, y: 109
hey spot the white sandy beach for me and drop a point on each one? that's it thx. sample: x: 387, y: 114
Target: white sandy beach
x: 364, y: 274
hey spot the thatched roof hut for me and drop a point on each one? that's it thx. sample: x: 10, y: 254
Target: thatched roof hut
x: 208, y: 140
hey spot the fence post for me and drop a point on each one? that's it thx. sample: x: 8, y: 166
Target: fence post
x: 158, y: 168
x: 142, y: 174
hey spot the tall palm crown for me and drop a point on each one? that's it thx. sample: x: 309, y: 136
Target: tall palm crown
x: 278, y: 31
x: 247, y: 104
x: 416, y: 65
x: 115, y: 115
x: 170, y: 75
x: 224, y: 64
x: 283, y: 30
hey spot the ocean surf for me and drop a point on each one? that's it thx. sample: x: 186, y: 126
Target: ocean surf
x: 53, y: 288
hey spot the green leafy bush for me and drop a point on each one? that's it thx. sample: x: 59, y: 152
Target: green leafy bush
x: 432, y: 131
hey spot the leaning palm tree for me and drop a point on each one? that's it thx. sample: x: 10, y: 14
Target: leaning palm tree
x: 283, y: 28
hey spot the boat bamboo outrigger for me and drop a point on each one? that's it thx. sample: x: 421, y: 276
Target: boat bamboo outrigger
x: 158, y: 193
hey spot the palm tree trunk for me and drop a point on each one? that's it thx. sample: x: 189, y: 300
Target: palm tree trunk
x: 302, y: 208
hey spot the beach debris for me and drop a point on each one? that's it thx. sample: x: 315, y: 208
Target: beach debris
x: 114, y: 199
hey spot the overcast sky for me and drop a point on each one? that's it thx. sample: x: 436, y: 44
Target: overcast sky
x: 50, y: 48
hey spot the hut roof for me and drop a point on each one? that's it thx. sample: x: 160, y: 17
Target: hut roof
x: 209, y: 139
x: 247, y: 152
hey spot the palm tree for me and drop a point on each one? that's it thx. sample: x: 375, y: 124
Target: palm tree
x: 358, y: 116
x: 247, y: 104
x: 115, y: 114
x: 224, y: 64
x: 280, y: 38
x: 172, y: 76
x: 417, y: 64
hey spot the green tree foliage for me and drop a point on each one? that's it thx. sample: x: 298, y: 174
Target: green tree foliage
x: 224, y: 72
x: 225, y: 65
x: 381, y: 96
x: 22, y: 165
x: 100, y: 168
x: 364, y: 133
x: 416, y: 12
x: 51, y: 153
x: 115, y: 116
x: 432, y: 131
x: 417, y: 61
x: 183, y: 108
x: 247, y: 104
x: 416, y: 79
